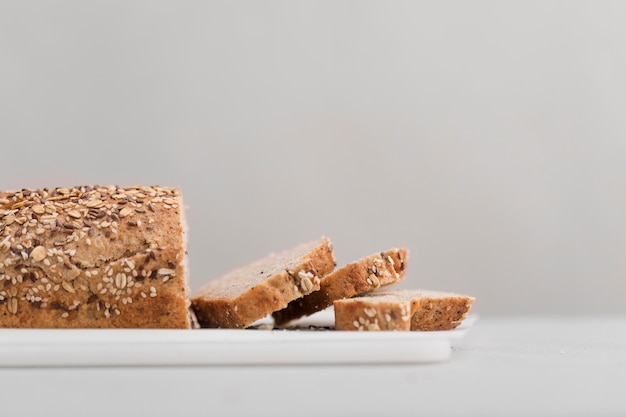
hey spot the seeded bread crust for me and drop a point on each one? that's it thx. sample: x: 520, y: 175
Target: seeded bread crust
x: 367, y: 274
x: 93, y: 257
x: 249, y: 293
x: 402, y: 310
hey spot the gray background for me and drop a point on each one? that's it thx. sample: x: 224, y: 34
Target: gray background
x: 488, y: 137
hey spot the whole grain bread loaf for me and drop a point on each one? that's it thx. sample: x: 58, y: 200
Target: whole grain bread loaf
x: 93, y: 257
x: 251, y: 292
x: 402, y: 310
x: 367, y: 274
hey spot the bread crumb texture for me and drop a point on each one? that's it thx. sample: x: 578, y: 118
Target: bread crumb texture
x: 247, y: 294
x: 417, y: 310
x: 93, y: 257
x: 365, y: 275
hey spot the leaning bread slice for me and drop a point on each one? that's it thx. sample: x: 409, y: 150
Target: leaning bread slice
x: 249, y: 293
x: 93, y: 257
x: 367, y: 274
x: 402, y: 310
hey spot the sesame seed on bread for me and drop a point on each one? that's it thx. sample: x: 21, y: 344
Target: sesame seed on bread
x: 93, y: 257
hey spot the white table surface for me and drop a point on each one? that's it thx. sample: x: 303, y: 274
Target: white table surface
x: 540, y: 366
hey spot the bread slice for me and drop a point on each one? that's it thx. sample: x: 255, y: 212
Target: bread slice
x: 249, y: 293
x: 367, y: 274
x: 102, y: 256
x: 402, y: 310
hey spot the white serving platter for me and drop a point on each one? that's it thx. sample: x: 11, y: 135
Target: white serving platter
x: 21, y: 348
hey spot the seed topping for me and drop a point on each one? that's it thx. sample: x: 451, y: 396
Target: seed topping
x: 38, y: 254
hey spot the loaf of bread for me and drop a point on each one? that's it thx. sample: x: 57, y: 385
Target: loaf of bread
x: 93, y: 257
x: 249, y: 293
x: 402, y: 310
x: 367, y: 274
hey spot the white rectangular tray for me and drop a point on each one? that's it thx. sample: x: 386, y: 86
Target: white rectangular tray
x: 202, y: 347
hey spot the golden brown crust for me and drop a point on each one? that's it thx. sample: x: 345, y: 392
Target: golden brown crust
x: 364, y: 275
x: 93, y: 257
x: 402, y: 310
x: 247, y: 294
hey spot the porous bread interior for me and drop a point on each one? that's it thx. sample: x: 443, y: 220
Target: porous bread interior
x: 250, y: 293
x: 243, y: 278
x: 420, y: 310
x: 348, y: 281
